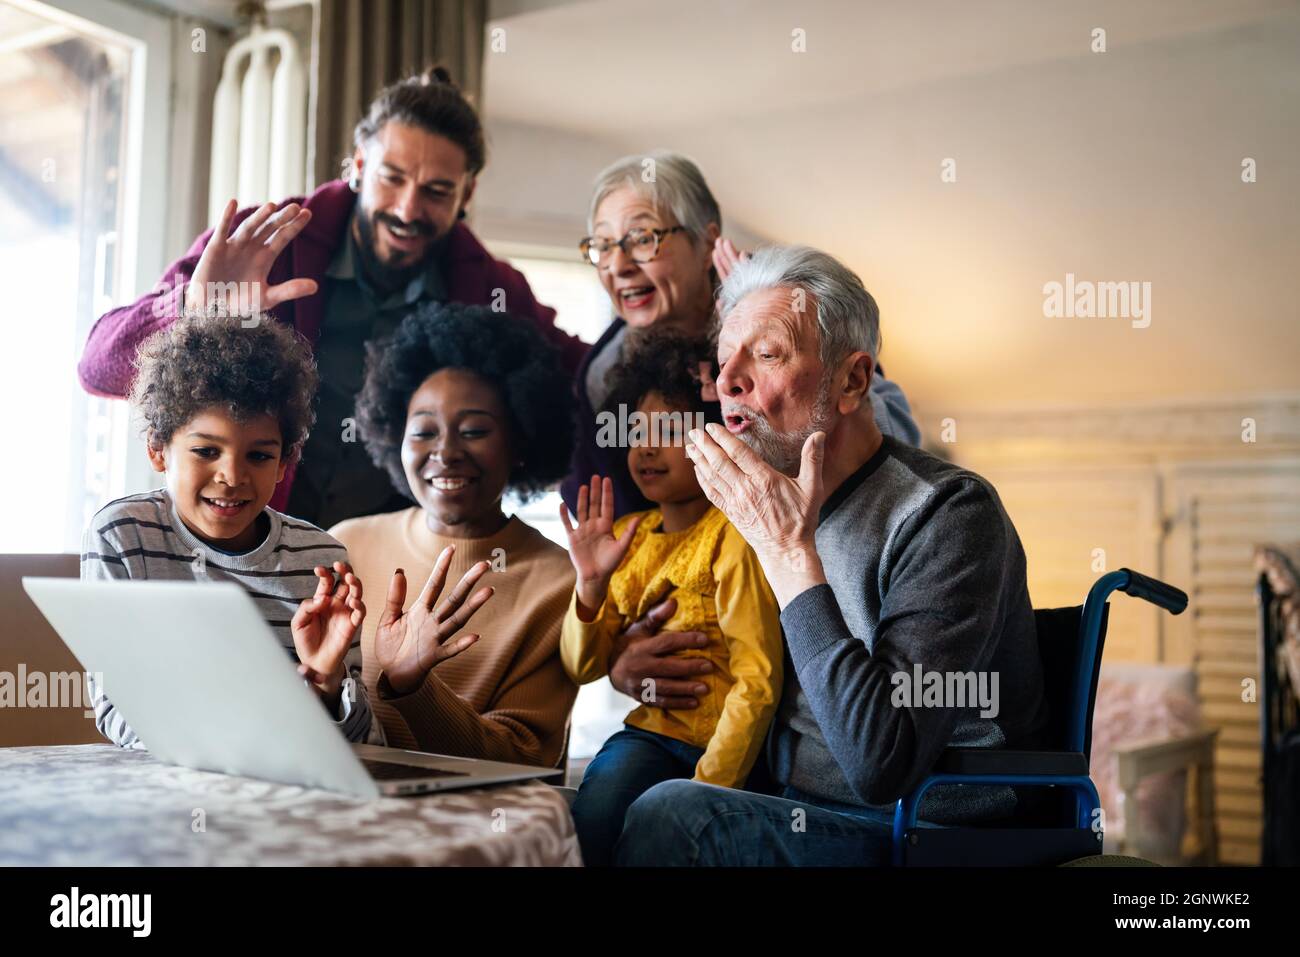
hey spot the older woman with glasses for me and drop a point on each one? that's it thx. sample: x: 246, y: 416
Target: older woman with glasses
x: 655, y: 240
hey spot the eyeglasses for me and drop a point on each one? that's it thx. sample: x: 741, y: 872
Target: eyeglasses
x: 642, y: 245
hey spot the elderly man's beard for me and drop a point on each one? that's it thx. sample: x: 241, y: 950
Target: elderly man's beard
x: 783, y: 450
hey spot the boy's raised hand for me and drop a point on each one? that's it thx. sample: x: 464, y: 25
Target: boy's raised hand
x: 324, y: 625
x: 593, y: 549
x: 409, y: 644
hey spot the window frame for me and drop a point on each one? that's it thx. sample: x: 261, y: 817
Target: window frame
x: 147, y: 35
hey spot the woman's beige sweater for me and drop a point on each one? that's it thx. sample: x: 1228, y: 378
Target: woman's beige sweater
x: 506, y: 698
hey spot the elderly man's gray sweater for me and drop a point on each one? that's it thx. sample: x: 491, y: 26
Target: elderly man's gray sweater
x: 924, y: 568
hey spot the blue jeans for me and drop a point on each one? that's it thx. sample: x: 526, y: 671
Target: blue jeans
x: 686, y: 823
x: 629, y: 764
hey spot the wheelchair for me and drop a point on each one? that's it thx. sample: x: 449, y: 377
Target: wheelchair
x: 1070, y: 829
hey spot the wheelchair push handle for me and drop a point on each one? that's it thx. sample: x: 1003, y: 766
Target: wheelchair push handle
x: 1155, y: 591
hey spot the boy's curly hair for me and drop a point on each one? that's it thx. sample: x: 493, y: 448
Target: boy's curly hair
x: 663, y: 362
x: 507, y: 352
x: 247, y: 367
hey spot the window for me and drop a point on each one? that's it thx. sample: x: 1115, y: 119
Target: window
x: 73, y: 110
x: 566, y: 284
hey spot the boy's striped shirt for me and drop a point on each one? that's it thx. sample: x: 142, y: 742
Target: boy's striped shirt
x: 141, y: 537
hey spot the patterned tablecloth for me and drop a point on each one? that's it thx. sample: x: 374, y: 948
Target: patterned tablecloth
x: 96, y: 805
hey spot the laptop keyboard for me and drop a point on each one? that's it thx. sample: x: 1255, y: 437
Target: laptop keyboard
x: 392, y: 771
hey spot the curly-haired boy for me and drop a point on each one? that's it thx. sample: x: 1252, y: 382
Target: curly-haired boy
x: 226, y: 405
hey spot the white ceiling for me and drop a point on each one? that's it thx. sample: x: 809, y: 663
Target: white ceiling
x: 732, y: 59
x: 1116, y: 166
x: 222, y: 12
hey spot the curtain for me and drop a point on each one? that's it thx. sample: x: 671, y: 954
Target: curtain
x: 366, y: 44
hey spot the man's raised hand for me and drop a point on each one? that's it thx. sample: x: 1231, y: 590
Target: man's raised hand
x: 234, y: 266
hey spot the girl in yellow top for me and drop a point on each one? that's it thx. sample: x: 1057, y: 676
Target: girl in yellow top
x: 684, y: 549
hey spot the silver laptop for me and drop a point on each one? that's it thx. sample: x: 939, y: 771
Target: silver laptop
x: 200, y: 676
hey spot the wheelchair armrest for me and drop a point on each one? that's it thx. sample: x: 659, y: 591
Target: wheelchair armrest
x: 1004, y: 761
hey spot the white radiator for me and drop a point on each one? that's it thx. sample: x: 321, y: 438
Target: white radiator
x: 259, y: 123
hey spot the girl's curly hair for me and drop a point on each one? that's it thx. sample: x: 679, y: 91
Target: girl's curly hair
x: 667, y: 363
x: 505, y: 351
x: 247, y: 367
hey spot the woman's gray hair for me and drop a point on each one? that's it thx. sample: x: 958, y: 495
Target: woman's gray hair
x: 847, y: 316
x: 671, y: 181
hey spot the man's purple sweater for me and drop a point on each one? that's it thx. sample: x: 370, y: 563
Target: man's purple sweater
x: 107, y: 365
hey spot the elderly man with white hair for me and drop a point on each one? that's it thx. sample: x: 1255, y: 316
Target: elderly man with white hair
x: 890, y: 565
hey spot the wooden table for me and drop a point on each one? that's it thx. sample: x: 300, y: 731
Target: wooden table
x: 97, y: 805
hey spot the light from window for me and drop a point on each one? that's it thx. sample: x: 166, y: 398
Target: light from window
x: 62, y: 112
x: 572, y: 290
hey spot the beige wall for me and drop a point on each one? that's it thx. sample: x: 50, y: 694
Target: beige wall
x: 1115, y: 166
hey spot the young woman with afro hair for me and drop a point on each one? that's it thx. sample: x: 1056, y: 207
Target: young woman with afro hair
x: 459, y: 405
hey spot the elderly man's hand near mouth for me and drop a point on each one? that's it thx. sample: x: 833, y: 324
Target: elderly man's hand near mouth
x: 776, y: 513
